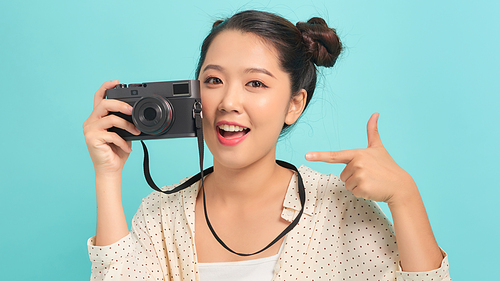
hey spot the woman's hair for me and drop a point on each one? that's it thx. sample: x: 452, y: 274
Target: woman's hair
x: 300, y: 47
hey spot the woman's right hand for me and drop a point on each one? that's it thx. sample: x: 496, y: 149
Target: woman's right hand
x: 107, y: 149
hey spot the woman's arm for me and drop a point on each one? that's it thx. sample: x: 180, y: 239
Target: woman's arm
x: 372, y: 174
x: 109, y: 153
x: 417, y: 246
x: 111, y: 221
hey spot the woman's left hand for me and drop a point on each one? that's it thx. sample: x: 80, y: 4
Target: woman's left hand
x: 371, y: 173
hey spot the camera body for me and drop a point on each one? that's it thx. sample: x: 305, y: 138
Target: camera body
x: 160, y: 109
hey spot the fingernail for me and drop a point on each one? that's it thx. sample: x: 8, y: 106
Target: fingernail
x: 309, y: 156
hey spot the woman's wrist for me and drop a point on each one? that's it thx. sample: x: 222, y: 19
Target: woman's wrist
x: 406, y: 195
x: 108, y: 189
x: 108, y: 178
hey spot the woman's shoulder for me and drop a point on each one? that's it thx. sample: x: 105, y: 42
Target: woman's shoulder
x: 328, y: 190
x: 158, y: 199
x: 158, y: 208
x: 319, y: 183
x: 332, y: 200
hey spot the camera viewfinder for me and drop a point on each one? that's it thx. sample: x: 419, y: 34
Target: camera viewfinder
x: 181, y: 89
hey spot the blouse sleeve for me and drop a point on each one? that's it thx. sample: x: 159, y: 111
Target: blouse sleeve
x: 441, y: 274
x: 365, y: 227
x: 131, y: 258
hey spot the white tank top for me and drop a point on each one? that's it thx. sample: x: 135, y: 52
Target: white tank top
x: 250, y: 270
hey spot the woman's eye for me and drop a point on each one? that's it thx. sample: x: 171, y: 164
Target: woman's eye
x: 256, y: 84
x: 213, y: 80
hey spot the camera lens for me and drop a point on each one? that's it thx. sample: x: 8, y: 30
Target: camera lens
x: 150, y: 113
x: 153, y: 115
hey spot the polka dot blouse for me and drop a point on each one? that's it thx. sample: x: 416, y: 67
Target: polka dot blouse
x: 339, y: 237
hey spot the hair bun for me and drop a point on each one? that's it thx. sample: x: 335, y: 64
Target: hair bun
x: 321, y: 41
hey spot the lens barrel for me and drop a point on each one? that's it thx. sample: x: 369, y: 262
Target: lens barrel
x: 153, y: 115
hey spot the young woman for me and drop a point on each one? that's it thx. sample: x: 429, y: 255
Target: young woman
x: 258, y: 73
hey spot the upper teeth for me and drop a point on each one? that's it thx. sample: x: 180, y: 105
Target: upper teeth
x: 231, y: 128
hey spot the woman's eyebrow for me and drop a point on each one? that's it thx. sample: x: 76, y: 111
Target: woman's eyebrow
x: 259, y: 70
x: 248, y: 70
x: 214, y: 67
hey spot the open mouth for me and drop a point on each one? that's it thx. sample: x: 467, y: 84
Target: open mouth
x: 232, y: 131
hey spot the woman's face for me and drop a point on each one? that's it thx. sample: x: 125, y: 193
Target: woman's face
x: 246, y: 99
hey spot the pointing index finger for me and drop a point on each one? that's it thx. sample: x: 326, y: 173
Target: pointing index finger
x: 343, y: 156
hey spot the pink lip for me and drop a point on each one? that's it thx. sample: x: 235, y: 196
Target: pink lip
x: 229, y: 142
x: 229, y: 123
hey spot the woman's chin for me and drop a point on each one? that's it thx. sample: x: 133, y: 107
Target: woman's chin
x: 231, y: 161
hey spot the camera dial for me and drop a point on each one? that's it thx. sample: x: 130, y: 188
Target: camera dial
x: 153, y: 115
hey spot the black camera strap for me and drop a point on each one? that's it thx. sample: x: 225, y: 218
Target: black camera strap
x: 197, y: 115
x: 200, y: 176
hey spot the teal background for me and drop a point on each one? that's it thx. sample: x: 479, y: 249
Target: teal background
x: 431, y: 68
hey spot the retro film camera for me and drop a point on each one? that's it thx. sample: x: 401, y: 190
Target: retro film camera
x: 160, y: 109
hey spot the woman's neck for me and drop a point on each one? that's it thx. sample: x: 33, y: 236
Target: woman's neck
x: 259, y: 181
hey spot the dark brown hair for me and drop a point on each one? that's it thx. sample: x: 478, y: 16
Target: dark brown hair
x: 300, y: 47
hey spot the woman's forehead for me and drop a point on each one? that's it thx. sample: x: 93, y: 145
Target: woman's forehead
x: 243, y: 50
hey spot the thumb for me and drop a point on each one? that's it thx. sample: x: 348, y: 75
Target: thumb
x: 372, y: 131
x: 343, y: 156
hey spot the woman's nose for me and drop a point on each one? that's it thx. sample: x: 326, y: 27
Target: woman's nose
x: 231, y: 100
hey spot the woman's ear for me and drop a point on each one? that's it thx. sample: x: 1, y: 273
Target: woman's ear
x: 296, y: 107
